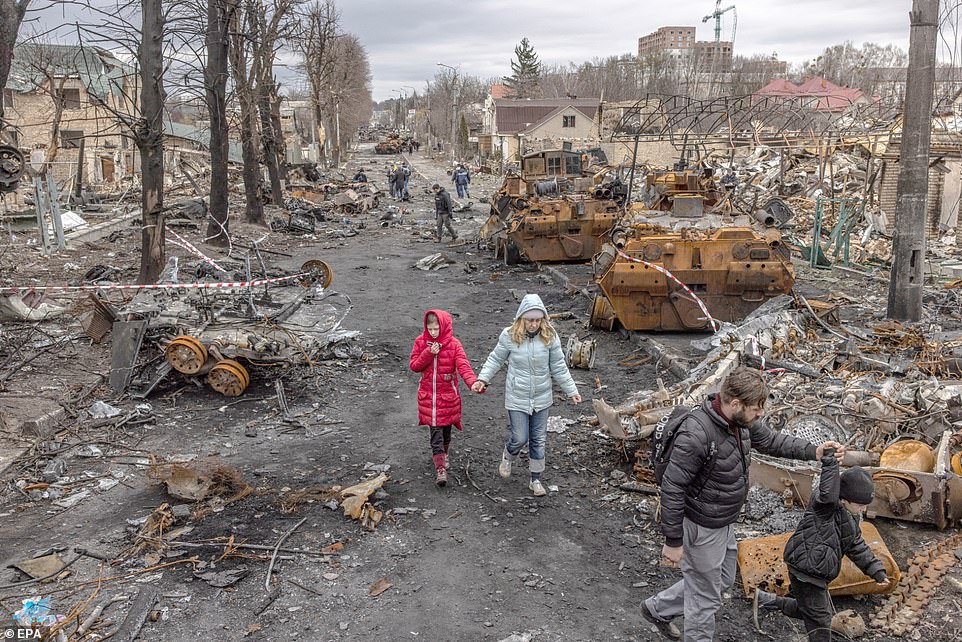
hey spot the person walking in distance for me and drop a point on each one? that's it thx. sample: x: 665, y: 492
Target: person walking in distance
x: 443, y: 210
x: 702, y: 493
x: 531, y: 349
x: 440, y: 358
x: 829, y: 531
x: 462, y: 179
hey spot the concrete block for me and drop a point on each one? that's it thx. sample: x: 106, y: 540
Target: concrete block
x: 44, y: 425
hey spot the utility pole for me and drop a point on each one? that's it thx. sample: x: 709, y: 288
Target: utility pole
x: 911, y: 204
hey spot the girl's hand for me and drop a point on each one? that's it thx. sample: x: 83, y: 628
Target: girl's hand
x: 479, y: 387
x: 435, y: 347
x: 575, y: 398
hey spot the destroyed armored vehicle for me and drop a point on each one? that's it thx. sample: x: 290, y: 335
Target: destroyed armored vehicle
x: 686, y: 192
x: 390, y: 145
x: 674, y: 263
x: 661, y: 281
x: 554, y: 209
x: 218, y: 333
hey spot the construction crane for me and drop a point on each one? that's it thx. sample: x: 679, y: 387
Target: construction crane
x: 717, y: 15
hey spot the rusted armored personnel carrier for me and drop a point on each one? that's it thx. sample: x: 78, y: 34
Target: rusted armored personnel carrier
x: 390, y: 145
x: 675, y: 250
x: 684, y: 192
x: 731, y: 271
x: 555, y: 209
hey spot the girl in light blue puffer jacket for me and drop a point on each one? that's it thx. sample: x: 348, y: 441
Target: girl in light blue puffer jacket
x: 532, y: 351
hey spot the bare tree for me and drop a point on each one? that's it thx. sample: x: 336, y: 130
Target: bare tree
x: 11, y: 15
x: 46, y: 68
x: 244, y: 76
x: 321, y: 29
x: 274, y: 25
x: 219, y: 15
x: 257, y: 30
x: 149, y: 137
x: 348, y: 97
x: 614, y: 78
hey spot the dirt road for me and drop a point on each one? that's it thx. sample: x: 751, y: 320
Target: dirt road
x: 481, y: 559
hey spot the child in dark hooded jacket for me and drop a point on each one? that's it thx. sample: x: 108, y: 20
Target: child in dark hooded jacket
x: 828, y: 531
x: 439, y: 357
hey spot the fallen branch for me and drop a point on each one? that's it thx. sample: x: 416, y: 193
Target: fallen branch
x: 467, y: 473
x: 253, y: 547
x: 270, y: 568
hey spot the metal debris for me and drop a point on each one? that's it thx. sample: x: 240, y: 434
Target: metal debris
x: 760, y: 565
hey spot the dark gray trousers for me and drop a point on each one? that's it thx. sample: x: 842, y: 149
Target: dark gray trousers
x: 708, y: 568
x: 444, y: 220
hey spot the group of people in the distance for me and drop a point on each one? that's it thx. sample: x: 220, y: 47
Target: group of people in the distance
x: 703, y: 488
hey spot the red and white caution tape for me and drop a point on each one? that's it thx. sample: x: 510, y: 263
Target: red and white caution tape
x: 155, y: 286
x: 660, y: 268
x: 181, y: 242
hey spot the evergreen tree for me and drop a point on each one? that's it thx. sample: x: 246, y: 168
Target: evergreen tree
x: 525, y: 71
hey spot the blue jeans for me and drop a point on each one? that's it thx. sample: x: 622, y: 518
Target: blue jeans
x: 531, y: 430
x: 462, y: 190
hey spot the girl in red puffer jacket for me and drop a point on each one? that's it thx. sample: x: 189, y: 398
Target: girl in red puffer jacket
x: 439, y: 357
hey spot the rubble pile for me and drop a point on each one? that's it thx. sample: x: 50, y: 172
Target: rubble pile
x: 892, y: 395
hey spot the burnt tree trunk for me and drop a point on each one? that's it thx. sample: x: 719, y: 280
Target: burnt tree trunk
x: 268, y: 139
x: 279, y: 134
x: 149, y: 137
x: 11, y: 15
x: 244, y: 90
x: 215, y: 81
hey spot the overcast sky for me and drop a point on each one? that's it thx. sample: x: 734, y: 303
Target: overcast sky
x: 406, y: 38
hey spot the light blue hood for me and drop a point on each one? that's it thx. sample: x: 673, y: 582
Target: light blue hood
x: 531, y: 302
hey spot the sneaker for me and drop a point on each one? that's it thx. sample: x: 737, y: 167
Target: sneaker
x: 504, y: 469
x: 762, y: 600
x: 667, y: 629
x: 535, y: 487
x: 442, y: 477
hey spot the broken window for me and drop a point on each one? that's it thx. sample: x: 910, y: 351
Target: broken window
x: 70, y: 138
x: 8, y: 99
x: 554, y: 165
x: 70, y: 98
x: 568, y: 121
x: 573, y: 164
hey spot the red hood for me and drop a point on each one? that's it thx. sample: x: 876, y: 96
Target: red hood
x: 444, y: 320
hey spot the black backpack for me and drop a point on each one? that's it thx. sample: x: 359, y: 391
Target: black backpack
x: 663, y: 440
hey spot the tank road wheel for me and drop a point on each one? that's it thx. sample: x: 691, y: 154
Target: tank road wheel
x: 229, y: 378
x: 318, y: 272
x: 512, y: 253
x: 186, y: 354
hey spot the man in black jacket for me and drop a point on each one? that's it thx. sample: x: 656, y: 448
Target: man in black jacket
x: 443, y: 209
x: 828, y: 531
x: 702, y: 493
